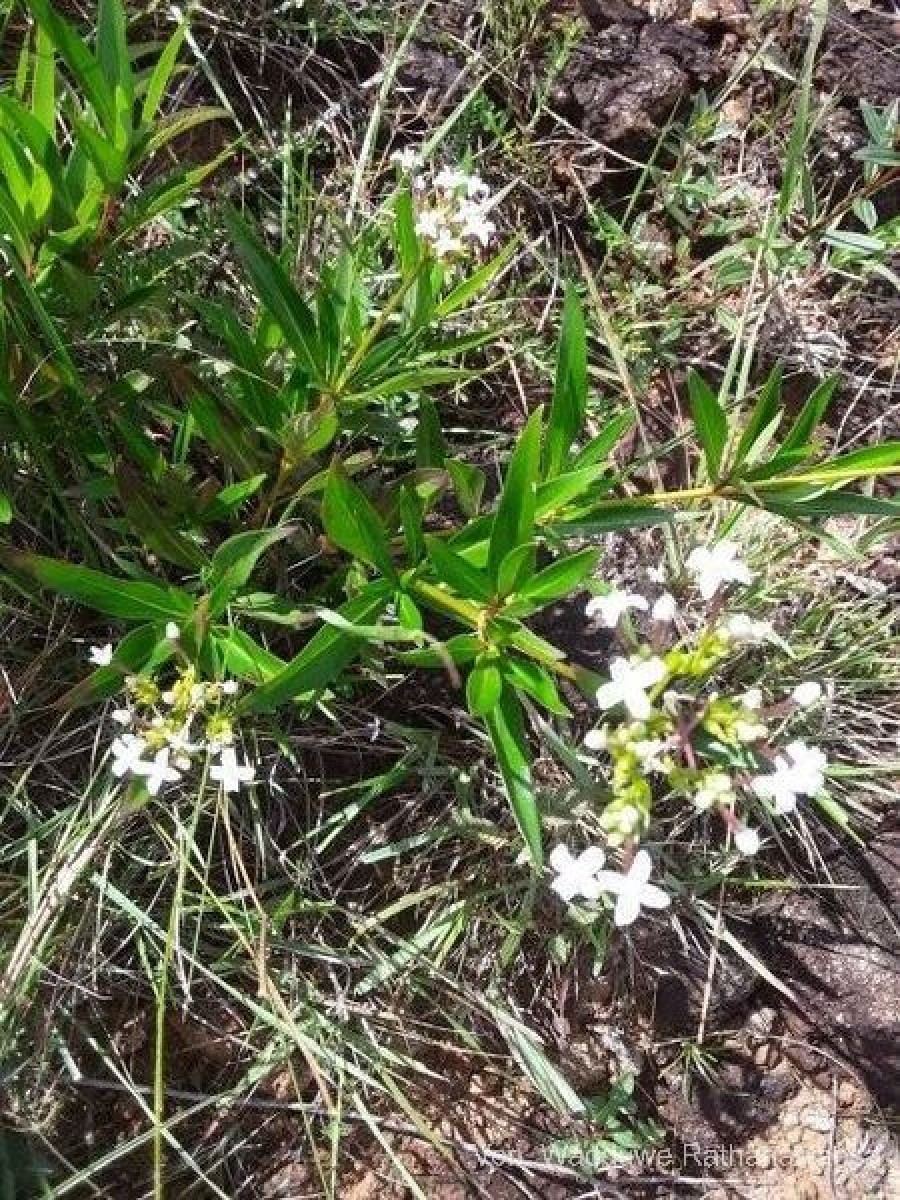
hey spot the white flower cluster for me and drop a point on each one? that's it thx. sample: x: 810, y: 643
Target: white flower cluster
x: 166, y: 731
x: 711, y: 749
x: 451, y: 207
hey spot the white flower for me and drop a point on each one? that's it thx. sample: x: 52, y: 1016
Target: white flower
x: 230, y: 687
x: 576, y: 876
x: 181, y: 744
x: 807, y: 694
x: 597, y: 739
x: 172, y: 631
x: 715, y: 789
x: 649, y: 752
x: 475, y: 186
x: 473, y: 223
x: 664, y: 608
x: 752, y: 699
x: 230, y: 773
x: 451, y: 179
x: 631, y: 677
x: 711, y: 568
x: 633, y: 891
x: 407, y: 159
x: 798, y: 772
x: 430, y: 224
x: 122, y: 716
x: 126, y: 751
x: 101, y: 656
x: 746, y: 841
x: 611, y: 607
x: 742, y: 628
x: 157, y: 772
x: 446, y: 244
x: 656, y: 574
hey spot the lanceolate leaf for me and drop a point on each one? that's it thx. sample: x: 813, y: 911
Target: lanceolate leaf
x: 812, y: 413
x: 709, y: 418
x: 506, y: 727
x: 762, y: 423
x: 128, y: 599
x: 561, y: 578
x: 353, y: 524
x: 451, y: 568
x: 483, y: 687
x: 569, y: 405
x: 323, y: 658
x: 285, y: 304
x: 514, y: 521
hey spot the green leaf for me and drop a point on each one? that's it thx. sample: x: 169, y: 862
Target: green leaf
x: 872, y: 458
x: 245, y: 658
x: 353, y: 524
x: 561, y: 578
x: 567, y: 412
x: 43, y: 87
x: 710, y: 421
x: 599, y: 447
x: 162, y: 73
x: 457, y: 572
x: 322, y: 659
x: 86, y: 70
x: 178, y: 124
x: 611, y: 515
x: 234, y: 561
x: 468, y: 483
x: 483, y: 687
x: 115, y: 61
x: 460, y: 649
x: 526, y: 676
x: 469, y: 288
x: 516, y: 569
x: 6, y: 511
x: 128, y: 599
x: 555, y: 494
x: 506, y: 727
x: 514, y: 519
x: 282, y: 300
x: 430, y: 448
x: 763, y: 421
x: 811, y: 414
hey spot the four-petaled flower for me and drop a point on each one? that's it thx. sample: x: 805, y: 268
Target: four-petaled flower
x: 127, y: 752
x: 577, y: 876
x: 101, y: 656
x: 613, y: 606
x: 711, y: 568
x: 230, y: 773
x: 798, y: 772
x: 632, y: 890
x: 630, y: 680
x: 157, y: 771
